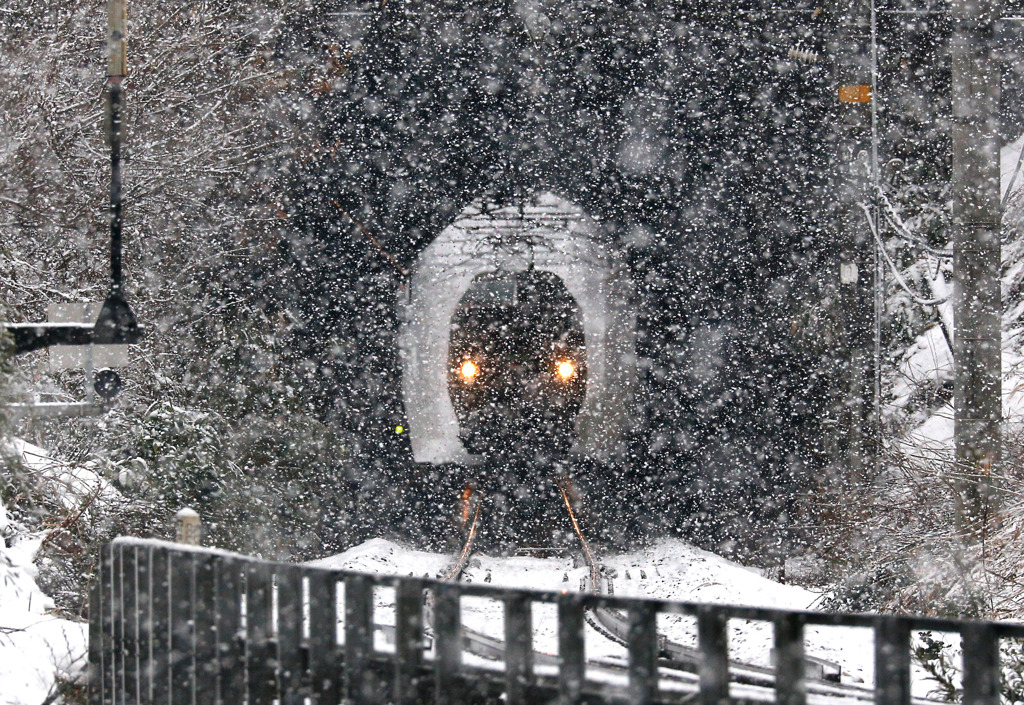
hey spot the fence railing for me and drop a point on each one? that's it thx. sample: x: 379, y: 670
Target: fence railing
x: 180, y: 625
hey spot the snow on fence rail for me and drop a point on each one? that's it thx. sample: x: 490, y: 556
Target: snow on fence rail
x: 182, y: 625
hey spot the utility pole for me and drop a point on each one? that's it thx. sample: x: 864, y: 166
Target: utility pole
x: 976, y: 263
x: 116, y: 322
x: 117, y: 69
x: 853, y: 159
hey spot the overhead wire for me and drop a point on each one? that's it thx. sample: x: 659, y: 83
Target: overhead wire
x: 904, y: 233
x: 917, y: 298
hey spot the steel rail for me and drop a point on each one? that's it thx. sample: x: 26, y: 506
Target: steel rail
x: 823, y: 676
x: 674, y: 659
x: 474, y: 642
x: 610, y: 623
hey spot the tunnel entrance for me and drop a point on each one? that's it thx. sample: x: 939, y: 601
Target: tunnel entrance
x: 494, y: 263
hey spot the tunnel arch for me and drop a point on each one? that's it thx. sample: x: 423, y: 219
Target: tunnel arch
x: 554, y: 235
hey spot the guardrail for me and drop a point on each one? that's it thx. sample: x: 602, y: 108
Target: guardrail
x: 182, y: 625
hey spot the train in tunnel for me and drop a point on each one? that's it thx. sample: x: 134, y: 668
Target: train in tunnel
x: 517, y: 339
x: 517, y: 364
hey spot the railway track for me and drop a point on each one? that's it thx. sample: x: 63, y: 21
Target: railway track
x: 677, y: 662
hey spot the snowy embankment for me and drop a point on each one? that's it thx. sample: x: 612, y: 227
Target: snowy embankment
x: 1012, y: 186
x: 669, y: 569
x: 38, y: 650
x: 928, y: 360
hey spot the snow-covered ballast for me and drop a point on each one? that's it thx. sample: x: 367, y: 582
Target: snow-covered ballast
x: 548, y: 234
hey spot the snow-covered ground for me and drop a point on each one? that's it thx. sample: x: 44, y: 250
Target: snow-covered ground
x: 36, y: 647
x: 668, y: 569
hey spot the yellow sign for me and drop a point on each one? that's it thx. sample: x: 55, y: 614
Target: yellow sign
x: 855, y: 94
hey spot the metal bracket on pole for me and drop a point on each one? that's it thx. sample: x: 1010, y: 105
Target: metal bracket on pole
x: 52, y: 410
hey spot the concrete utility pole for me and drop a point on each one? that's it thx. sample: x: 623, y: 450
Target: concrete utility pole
x: 976, y: 263
x: 852, y: 406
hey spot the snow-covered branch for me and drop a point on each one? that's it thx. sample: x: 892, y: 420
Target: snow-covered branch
x: 917, y: 298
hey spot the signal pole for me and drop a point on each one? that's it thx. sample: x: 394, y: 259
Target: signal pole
x: 116, y: 322
x: 116, y: 71
x: 853, y: 406
x: 976, y: 264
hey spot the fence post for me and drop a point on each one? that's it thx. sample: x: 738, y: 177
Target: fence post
x: 182, y: 627
x: 714, y: 656
x: 518, y: 648
x: 207, y: 671
x: 359, y: 687
x: 230, y: 639
x: 324, y: 670
x: 981, y: 664
x: 144, y: 558
x: 643, y: 654
x: 570, y: 649
x: 117, y: 623
x: 789, y: 660
x: 95, y: 681
x: 289, y: 635
x: 408, y: 641
x: 892, y: 661
x: 130, y: 622
x: 448, y: 645
x: 160, y: 615
x: 188, y: 527
x: 107, y: 621
x: 261, y: 652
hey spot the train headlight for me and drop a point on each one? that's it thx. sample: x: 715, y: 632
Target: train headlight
x: 469, y: 370
x: 565, y: 370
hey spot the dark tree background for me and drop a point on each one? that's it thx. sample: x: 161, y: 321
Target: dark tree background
x: 268, y: 390
x: 684, y: 126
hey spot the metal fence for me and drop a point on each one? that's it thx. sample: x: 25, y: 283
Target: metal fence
x: 180, y: 625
